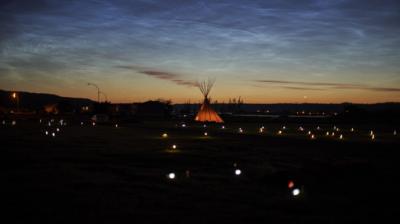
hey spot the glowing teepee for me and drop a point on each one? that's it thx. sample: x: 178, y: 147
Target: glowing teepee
x: 206, y: 113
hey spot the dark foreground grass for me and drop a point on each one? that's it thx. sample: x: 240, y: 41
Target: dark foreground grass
x: 105, y: 174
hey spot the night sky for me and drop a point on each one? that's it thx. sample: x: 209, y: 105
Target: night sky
x: 264, y: 51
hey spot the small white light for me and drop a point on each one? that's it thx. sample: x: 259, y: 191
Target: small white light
x: 205, y: 134
x: 173, y: 146
x: 312, y: 136
x: 4, y: 122
x: 341, y: 136
x: 171, y: 176
x: 164, y: 135
x: 238, y: 172
x: 333, y: 134
x: 49, y: 124
x: 40, y: 120
x: 47, y: 133
x: 116, y: 125
x: 183, y: 125
x: 296, y: 192
x: 352, y: 129
x: 240, y: 130
x: 284, y: 127
x: 204, y: 126
x: 58, y: 130
x: 53, y: 134
x: 279, y: 132
x: 309, y: 133
x: 394, y: 132
x: 94, y: 123
x: 318, y: 128
x: 223, y: 127
x: 13, y: 123
x: 327, y: 133
x: 373, y: 137
x: 81, y: 123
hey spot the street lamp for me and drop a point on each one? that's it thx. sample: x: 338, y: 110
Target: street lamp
x: 15, y: 96
x: 98, y: 90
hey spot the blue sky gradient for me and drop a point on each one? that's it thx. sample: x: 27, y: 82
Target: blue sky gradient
x: 264, y: 51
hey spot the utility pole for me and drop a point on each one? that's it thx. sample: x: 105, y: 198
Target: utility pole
x: 105, y: 96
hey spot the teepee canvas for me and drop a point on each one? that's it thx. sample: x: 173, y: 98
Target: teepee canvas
x: 206, y: 113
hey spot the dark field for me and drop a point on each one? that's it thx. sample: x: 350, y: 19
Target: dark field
x: 106, y: 174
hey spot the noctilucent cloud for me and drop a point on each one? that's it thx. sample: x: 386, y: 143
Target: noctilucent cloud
x: 325, y: 51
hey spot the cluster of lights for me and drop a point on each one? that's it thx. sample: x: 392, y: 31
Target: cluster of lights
x: 294, y: 191
x: 240, y: 130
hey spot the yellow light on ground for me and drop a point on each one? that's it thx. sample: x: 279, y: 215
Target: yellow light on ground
x: 171, y: 176
x: 373, y: 137
x: 371, y: 133
x: 14, y: 95
x: 279, y: 132
x: 296, y: 192
x: 238, y: 172
x: 261, y: 130
x: 165, y: 135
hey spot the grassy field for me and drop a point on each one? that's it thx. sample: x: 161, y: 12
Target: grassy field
x: 111, y: 174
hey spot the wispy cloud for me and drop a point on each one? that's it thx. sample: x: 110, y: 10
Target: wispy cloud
x: 158, y: 74
x: 299, y: 85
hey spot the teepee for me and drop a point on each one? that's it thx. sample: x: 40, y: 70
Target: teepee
x: 206, y: 113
